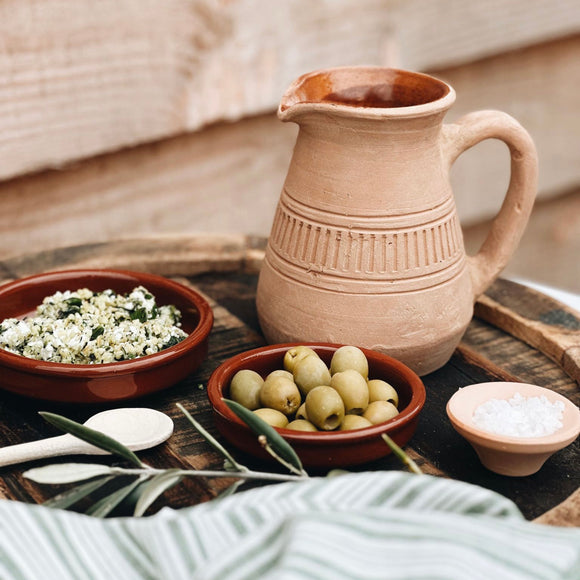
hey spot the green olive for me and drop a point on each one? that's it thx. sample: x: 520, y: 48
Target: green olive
x: 349, y: 357
x: 272, y: 417
x: 294, y: 354
x: 382, y: 391
x: 281, y: 373
x: 325, y: 408
x: 353, y: 389
x: 351, y: 422
x: 245, y: 388
x: 311, y: 372
x: 281, y: 394
x: 380, y: 411
x: 301, y: 425
x: 301, y: 413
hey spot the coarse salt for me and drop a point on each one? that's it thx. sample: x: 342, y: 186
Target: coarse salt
x: 520, y: 416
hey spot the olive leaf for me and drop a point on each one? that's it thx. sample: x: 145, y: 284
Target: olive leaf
x: 148, y: 483
x: 211, y: 439
x: 107, y: 504
x: 127, y: 506
x: 70, y: 497
x: 66, y: 472
x: 278, y: 444
x: 231, y: 489
x: 91, y: 436
x: 155, y: 487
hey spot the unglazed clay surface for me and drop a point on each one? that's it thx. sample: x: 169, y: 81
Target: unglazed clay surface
x: 513, y: 456
x: 366, y: 247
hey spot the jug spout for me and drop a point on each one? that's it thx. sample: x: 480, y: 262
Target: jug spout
x: 365, y: 92
x: 295, y: 99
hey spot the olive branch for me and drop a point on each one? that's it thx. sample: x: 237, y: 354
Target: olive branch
x: 146, y: 484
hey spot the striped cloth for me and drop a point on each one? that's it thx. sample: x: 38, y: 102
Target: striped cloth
x: 356, y: 526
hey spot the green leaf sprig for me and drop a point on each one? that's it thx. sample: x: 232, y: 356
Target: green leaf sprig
x: 92, y: 436
x: 270, y: 439
x: 147, y: 484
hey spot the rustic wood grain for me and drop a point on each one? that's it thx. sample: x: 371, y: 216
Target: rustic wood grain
x: 225, y: 270
x: 228, y: 176
x: 565, y: 514
x: 550, y: 327
x: 172, y: 255
x: 521, y: 83
x: 84, y: 78
x: 548, y: 251
x: 477, y: 29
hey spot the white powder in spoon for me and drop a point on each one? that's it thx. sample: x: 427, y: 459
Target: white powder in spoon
x: 519, y: 416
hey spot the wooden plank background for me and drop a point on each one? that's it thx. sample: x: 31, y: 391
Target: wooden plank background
x: 136, y: 118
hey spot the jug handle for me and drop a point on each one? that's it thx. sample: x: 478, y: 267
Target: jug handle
x: 509, y: 224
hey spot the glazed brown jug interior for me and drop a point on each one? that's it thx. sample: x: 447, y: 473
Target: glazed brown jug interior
x: 366, y: 247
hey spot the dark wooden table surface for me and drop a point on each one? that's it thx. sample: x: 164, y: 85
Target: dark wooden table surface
x: 517, y: 334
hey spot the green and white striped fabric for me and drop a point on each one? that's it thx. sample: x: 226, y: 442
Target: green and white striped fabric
x: 357, y: 526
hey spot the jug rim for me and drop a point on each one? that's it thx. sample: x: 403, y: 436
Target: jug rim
x: 313, y: 91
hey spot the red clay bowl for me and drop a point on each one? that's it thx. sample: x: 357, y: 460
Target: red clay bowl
x: 321, y: 450
x: 111, y: 381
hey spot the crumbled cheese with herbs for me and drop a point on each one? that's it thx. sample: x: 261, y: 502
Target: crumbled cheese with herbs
x: 85, y: 327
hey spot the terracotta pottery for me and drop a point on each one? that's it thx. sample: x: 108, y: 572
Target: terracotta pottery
x: 107, y: 382
x: 321, y: 449
x: 366, y: 247
x: 513, y: 456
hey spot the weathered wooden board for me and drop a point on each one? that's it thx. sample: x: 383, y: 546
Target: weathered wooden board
x: 549, y: 249
x: 228, y: 177
x: 168, y: 255
x: 531, y: 86
x: 225, y: 270
x: 82, y: 78
x: 470, y: 31
x: 550, y: 328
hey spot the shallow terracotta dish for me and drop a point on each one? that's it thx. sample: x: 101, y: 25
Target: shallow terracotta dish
x: 515, y: 456
x: 112, y: 381
x: 321, y: 450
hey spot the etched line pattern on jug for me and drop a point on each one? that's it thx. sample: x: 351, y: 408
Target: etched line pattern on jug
x: 367, y: 254
x: 398, y: 218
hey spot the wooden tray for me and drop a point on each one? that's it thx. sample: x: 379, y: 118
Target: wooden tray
x: 517, y: 334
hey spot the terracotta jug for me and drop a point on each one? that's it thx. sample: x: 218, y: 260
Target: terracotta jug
x: 366, y: 247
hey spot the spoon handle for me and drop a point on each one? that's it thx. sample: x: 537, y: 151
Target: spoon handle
x: 51, y: 447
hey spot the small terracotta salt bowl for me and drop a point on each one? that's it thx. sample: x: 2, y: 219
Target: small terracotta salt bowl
x: 506, y: 455
x: 321, y: 449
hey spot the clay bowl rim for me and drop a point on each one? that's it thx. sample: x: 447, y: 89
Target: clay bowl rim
x: 118, y: 368
x: 287, y: 109
x: 221, y: 377
x: 473, y: 395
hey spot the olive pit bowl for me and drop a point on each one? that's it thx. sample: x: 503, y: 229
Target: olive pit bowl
x: 108, y: 382
x: 332, y: 449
